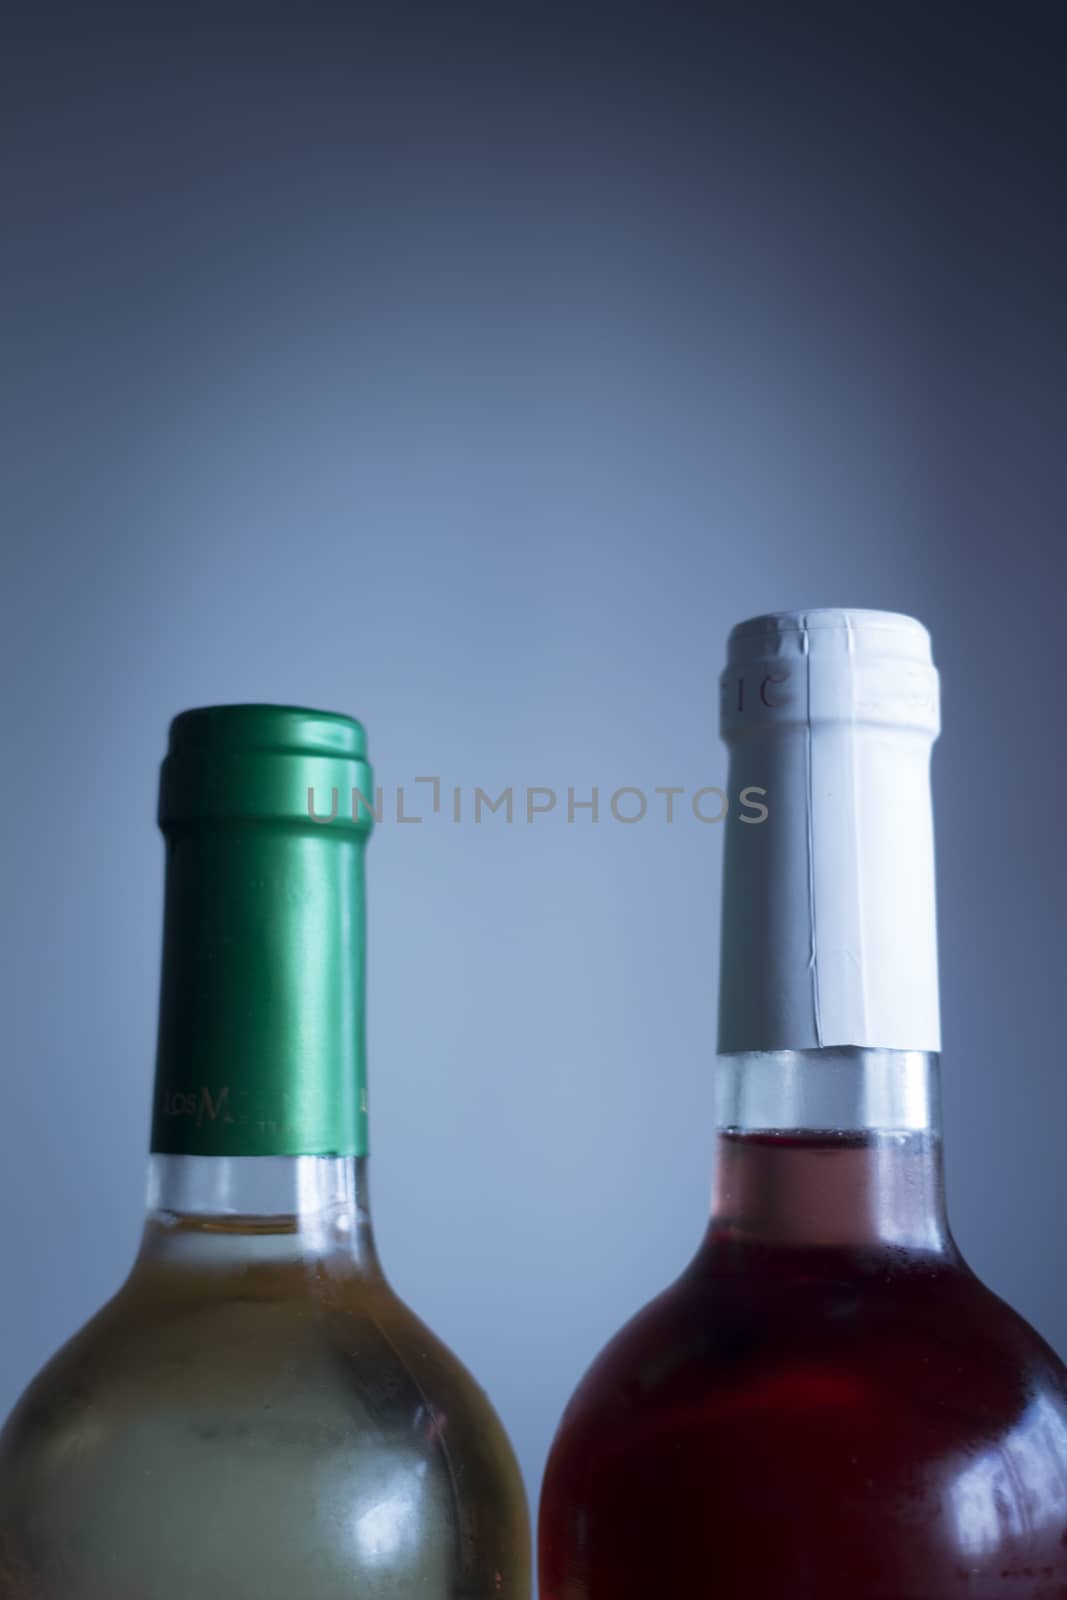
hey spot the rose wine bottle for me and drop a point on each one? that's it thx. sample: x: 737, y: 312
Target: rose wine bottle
x: 256, y: 1415
x: 827, y: 1405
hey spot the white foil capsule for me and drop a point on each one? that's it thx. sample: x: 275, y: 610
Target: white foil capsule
x: 829, y: 917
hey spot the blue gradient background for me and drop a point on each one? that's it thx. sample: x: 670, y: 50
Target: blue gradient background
x: 474, y: 370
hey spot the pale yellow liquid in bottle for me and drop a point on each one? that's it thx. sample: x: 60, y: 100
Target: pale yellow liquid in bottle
x: 250, y: 1420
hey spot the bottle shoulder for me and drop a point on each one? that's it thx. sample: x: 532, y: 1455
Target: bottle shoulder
x: 739, y: 1330
x: 310, y: 1395
x: 893, y: 1420
x: 282, y: 1335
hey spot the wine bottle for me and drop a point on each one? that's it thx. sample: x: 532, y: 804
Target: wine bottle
x: 256, y: 1415
x: 827, y: 1405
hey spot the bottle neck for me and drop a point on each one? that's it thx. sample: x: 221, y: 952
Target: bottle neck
x: 217, y: 1211
x: 259, y: 1133
x: 829, y: 933
x: 828, y: 1007
x: 261, y: 1033
x: 830, y: 1148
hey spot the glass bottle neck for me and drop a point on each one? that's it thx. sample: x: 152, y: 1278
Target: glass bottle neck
x: 220, y: 1210
x: 831, y: 1147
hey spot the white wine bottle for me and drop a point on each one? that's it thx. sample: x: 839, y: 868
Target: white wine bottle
x: 256, y: 1415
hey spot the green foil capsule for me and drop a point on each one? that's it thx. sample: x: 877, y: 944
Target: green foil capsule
x: 266, y: 811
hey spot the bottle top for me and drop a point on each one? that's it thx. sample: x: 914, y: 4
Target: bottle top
x: 829, y: 665
x: 829, y: 926
x: 261, y: 1030
x: 266, y: 763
